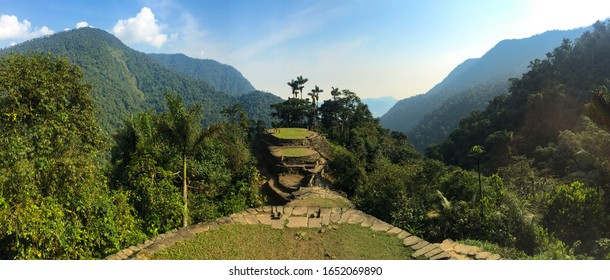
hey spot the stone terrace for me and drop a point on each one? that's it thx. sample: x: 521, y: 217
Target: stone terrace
x: 280, y: 217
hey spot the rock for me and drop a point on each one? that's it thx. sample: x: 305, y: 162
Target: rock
x: 114, y: 257
x: 186, y: 233
x: 403, y: 234
x: 395, y: 230
x: 251, y: 220
x: 315, y: 223
x: 294, y: 222
x: 381, y: 226
x: 420, y: 245
x: 368, y: 222
x: 422, y: 250
x: 199, y: 228
x: 494, y: 257
x: 482, y: 255
x: 264, y: 219
x: 267, y: 209
x: 278, y: 224
x: 355, y: 218
x: 252, y: 211
x: 335, y: 217
x: 434, y: 252
x: 299, y: 211
x: 441, y: 256
x: 411, y: 240
x: 288, y: 210
x: 447, y: 245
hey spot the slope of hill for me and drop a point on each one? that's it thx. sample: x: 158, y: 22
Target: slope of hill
x: 224, y: 77
x: 509, y: 58
x: 126, y: 81
x: 380, y: 105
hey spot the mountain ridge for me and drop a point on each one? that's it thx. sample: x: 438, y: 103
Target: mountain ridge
x: 126, y: 81
x: 507, y: 59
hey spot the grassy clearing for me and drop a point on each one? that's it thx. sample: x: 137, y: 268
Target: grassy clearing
x: 290, y: 133
x: 295, y: 152
x: 320, y: 202
x: 261, y: 242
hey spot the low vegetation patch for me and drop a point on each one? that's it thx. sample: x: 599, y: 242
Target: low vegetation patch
x: 261, y: 242
x: 289, y: 133
x: 294, y: 152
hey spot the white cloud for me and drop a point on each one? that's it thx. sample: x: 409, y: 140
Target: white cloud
x: 82, y: 24
x: 142, y: 28
x: 10, y: 27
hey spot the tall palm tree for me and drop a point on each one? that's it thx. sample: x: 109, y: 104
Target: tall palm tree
x: 315, y: 95
x: 301, y: 82
x: 295, y: 87
x: 181, y: 128
x: 477, y: 152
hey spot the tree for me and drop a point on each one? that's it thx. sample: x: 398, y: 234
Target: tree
x: 54, y: 203
x: 315, y: 95
x: 181, y: 128
x: 301, y: 84
x: 294, y: 85
x: 477, y: 152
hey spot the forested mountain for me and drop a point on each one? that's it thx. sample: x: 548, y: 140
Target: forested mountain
x: 224, y: 77
x: 509, y: 58
x: 380, y: 105
x: 126, y: 81
x: 554, y: 125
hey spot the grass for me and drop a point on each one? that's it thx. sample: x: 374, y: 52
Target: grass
x: 320, y: 202
x: 294, y: 152
x: 261, y: 242
x: 290, y: 133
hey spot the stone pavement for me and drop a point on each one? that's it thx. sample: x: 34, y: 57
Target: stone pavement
x: 280, y: 217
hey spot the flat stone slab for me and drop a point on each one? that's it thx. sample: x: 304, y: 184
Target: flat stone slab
x: 239, y: 220
x: 294, y: 222
x: 251, y: 219
x: 186, y: 233
x: 114, y: 257
x: 381, y: 226
x: 299, y: 211
x: 447, y: 245
x: 494, y: 257
x: 441, y: 256
x: 411, y: 240
x: 434, y: 252
x: 252, y: 211
x: 325, y: 211
x: 199, y: 228
x: 288, y: 210
x: 421, y: 251
x: 335, y: 210
x: 278, y: 224
x: 335, y: 217
x: 315, y: 222
x: 395, y: 230
x: 482, y: 255
x: 420, y: 245
x: 467, y: 249
x: 325, y: 219
x: 403, y: 234
x: 368, y: 222
x: 267, y: 209
x: 264, y: 219
x: 355, y: 218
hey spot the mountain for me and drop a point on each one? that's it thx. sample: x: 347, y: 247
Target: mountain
x: 508, y: 59
x: 126, y: 81
x: 224, y: 77
x: 380, y: 105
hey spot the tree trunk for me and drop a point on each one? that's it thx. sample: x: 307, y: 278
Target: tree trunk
x: 185, y: 212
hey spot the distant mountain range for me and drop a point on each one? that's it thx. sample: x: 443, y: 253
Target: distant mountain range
x: 126, y: 81
x: 380, y: 105
x: 429, y: 118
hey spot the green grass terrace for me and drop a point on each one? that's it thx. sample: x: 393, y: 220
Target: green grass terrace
x: 290, y: 133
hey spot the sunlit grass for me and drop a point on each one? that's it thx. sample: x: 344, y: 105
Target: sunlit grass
x: 261, y: 242
x: 289, y: 133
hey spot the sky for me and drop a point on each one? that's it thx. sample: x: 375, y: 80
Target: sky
x: 375, y: 48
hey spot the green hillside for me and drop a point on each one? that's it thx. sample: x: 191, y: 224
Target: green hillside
x: 223, y: 77
x: 126, y: 81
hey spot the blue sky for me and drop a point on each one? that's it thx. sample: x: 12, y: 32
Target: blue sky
x: 373, y: 47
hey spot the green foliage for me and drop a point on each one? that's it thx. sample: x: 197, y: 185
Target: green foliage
x: 221, y: 177
x: 292, y: 112
x: 55, y: 204
x: 575, y: 213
